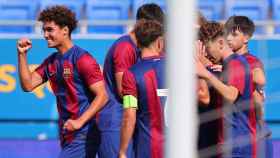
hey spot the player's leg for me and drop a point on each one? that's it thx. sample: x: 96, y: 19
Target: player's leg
x: 84, y: 145
x: 110, y: 144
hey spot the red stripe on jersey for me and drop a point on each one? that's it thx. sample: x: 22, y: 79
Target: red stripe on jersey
x: 156, y: 115
x: 236, y: 75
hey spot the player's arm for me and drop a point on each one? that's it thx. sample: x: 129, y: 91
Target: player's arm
x: 129, y: 114
x: 124, y: 58
x: 119, y: 76
x: 259, y: 76
x: 98, y: 89
x: 91, y: 74
x: 259, y: 102
x: 127, y: 129
x: 28, y: 80
x: 203, y: 92
x: 230, y: 93
x: 258, y: 95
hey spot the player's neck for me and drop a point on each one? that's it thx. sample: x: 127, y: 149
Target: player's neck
x: 227, y: 52
x: 133, y: 37
x: 65, y: 46
x: 149, y: 52
x: 243, y: 50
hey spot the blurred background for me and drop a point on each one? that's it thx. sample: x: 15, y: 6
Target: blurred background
x: 28, y: 121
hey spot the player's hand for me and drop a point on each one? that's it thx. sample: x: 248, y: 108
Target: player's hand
x: 122, y: 155
x: 201, y: 71
x: 72, y: 125
x: 23, y: 45
x: 201, y: 54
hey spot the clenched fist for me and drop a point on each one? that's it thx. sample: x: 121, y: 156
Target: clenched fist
x: 23, y: 45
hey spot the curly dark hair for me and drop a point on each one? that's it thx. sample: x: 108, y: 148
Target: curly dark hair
x: 240, y: 23
x: 201, y: 20
x: 150, y: 11
x: 147, y: 31
x: 210, y: 31
x: 60, y: 15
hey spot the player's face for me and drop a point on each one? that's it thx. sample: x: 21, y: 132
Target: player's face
x: 236, y: 40
x: 54, y: 34
x: 213, y: 50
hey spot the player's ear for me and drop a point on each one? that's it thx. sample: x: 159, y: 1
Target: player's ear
x: 65, y: 30
x: 246, y: 38
x: 221, y: 42
x: 160, y: 43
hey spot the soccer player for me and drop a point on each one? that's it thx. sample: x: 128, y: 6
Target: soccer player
x: 208, y: 125
x: 239, y: 30
x: 208, y: 116
x: 202, y: 88
x: 142, y: 84
x: 76, y: 81
x: 237, y: 133
x: 120, y: 57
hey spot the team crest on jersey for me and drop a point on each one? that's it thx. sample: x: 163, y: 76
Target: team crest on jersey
x: 66, y: 72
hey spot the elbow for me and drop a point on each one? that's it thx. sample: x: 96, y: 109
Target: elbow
x: 261, y: 81
x: 26, y: 88
x: 231, y: 98
x: 204, y: 101
x: 203, y: 97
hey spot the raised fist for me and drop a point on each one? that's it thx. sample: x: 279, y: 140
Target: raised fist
x: 23, y: 45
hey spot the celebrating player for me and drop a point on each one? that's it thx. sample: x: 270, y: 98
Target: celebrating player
x: 76, y: 81
x: 237, y: 133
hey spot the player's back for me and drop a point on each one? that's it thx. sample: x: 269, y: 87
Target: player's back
x: 110, y: 116
x: 149, y: 75
x: 121, y: 56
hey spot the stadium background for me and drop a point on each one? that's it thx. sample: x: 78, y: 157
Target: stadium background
x: 28, y: 121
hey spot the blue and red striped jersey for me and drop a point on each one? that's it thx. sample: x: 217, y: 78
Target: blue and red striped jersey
x: 70, y: 76
x: 144, y: 80
x: 238, y: 123
x: 255, y: 62
x: 120, y: 57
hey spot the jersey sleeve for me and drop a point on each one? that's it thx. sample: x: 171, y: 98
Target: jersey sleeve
x: 124, y: 57
x: 42, y: 70
x: 237, y: 75
x: 258, y: 64
x: 129, y: 91
x: 129, y: 84
x: 89, y: 69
